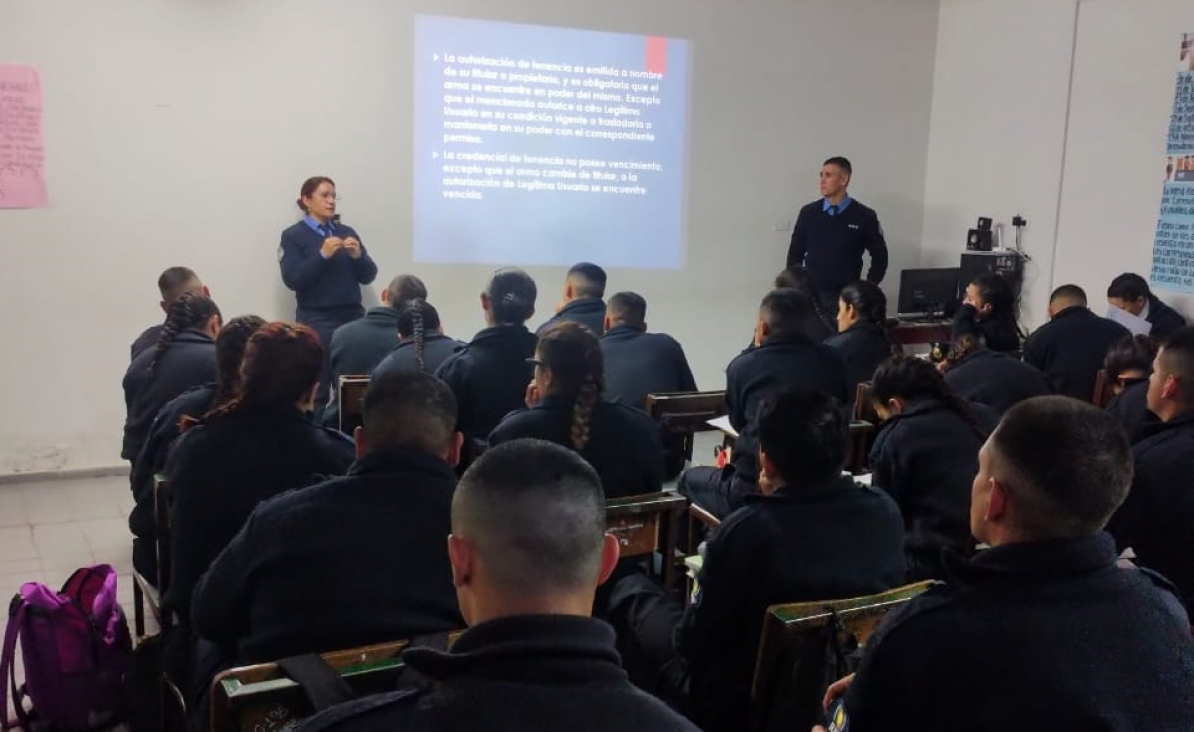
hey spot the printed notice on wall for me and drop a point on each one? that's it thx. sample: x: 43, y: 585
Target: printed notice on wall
x: 1173, y: 247
x: 22, y: 153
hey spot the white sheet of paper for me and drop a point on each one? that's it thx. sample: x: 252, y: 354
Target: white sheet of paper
x: 723, y: 424
x: 1134, y: 323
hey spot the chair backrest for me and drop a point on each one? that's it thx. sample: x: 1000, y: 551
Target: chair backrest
x: 864, y: 407
x: 786, y: 625
x: 860, y: 440
x: 263, y: 697
x: 161, y: 512
x: 644, y: 525
x: 686, y: 413
x: 1102, y: 391
x: 351, y: 393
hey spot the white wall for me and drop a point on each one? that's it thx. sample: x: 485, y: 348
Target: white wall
x: 1008, y: 137
x: 998, y: 128
x: 177, y: 133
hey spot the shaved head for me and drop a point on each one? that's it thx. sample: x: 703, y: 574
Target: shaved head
x: 534, y: 512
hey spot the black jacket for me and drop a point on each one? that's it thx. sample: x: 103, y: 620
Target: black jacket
x: 783, y: 361
x: 623, y: 442
x: 926, y: 457
x: 588, y: 311
x: 150, y: 462
x: 1165, y: 319
x: 147, y: 339
x: 189, y: 362
x: 863, y: 346
x: 1071, y: 348
x: 1130, y: 407
x: 996, y: 380
x: 437, y: 348
x: 1043, y: 637
x: 816, y: 542
x: 532, y: 672
x: 489, y: 377
x: 1157, y: 519
x: 831, y: 247
x: 639, y: 363
x: 319, y: 283
x: 997, y: 334
x: 346, y: 563
x: 220, y: 471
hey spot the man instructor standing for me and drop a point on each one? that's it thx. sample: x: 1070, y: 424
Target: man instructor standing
x: 832, y: 233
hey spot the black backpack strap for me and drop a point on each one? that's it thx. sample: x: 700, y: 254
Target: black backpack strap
x: 322, y: 685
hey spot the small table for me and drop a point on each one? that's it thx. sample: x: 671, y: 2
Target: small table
x: 922, y: 333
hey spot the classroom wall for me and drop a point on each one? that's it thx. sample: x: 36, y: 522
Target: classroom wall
x: 178, y: 132
x: 1056, y: 110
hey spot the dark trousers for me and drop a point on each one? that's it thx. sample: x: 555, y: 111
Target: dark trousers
x: 646, y: 616
x: 325, y: 321
x: 717, y: 490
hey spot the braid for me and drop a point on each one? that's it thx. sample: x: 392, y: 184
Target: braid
x: 819, y: 311
x: 416, y: 314
x: 961, y: 348
x: 188, y: 311
x: 230, y: 352
x: 913, y: 378
x: 582, y: 413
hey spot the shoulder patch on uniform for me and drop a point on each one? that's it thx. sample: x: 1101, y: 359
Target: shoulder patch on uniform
x: 839, y: 720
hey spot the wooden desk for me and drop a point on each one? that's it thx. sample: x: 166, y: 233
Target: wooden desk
x: 916, y: 334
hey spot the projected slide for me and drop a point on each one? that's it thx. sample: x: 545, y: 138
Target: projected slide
x: 537, y: 145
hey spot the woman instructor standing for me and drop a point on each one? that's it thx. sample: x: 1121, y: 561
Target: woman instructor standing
x: 325, y: 263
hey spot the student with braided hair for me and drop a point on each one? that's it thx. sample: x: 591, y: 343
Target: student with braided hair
x: 172, y: 283
x: 996, y: 380
x: 185, y: 357
x: 357, y: 347
x: 821, y: 325
x: 230, y: 351
x: 422, y: 345
x: 256, y: 445
x: 564, y: 406
x: 926, y: 457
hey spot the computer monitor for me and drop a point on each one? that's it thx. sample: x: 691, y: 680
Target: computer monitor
x: 929, y: 292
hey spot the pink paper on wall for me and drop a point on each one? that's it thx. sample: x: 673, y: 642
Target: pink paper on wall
x: 22, y: 151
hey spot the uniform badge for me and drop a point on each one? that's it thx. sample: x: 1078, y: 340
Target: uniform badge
x: 839, y: 721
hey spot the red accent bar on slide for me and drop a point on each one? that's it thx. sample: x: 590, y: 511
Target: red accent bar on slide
x: 656, y: 55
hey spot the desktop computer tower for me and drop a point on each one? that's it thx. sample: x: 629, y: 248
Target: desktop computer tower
x: 1008, y: 264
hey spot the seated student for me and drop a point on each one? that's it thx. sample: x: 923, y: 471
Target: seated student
x: 253, y: 447
x: 528, y: 549
x: 422, y: 345
x: 230, y: 351
x: 989, y: 312
x: 863, y: 338
x: 565, y: 406
x: 925, y: 457
x: 1070, y: 348
x: 360, y: 345
x: 812, y: 534
x: 1129, y: 363
x: 185, y: 357
x: 638, y: 363
x: 822, y: 325
x: 1043, y: 631
x: 785, y: 356
x: 171, y: 284
x: 583, y: 289
x: 1130, y: 292
x: 489, y: 375
x: 995, y: 380
x: 257, y: 601
x: 1157, y: 519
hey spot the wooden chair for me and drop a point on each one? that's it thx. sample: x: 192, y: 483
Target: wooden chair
x: 860, y: 440
x: 784, y: 626
x: 1102, y: 391
x: 147, y: 594
x: 263, y: 697
x: 700, y: 522
x: 686, y: 413
x: 351, y: 393
x: 644, y: 525
x: 864, y: 407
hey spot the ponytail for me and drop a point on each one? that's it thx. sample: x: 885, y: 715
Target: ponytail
x: 574, y: 356
x: 190, y: 310
x: 414, y: 320
x: 912, y: 378
x: 416, y: 315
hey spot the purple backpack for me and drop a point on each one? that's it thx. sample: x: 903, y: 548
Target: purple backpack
x: 75, y: 646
